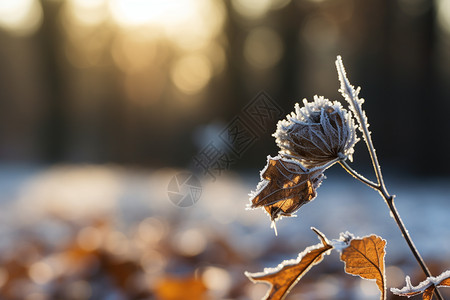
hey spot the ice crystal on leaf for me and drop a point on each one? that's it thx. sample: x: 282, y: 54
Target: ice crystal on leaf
x: 363, y: 257
x: 285, y: 186
x: 311, y: 139
x: 350, y: 94
x: 426, y: 287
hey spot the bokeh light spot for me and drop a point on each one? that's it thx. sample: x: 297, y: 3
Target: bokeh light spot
x: 132, y: 53
x: 217, y: 279
x: 116, y: 243
x: 132, y: 13
x: 190, y: 242
x: 87, y: 12
x: 368, y: 288
x: 191, y: 73
x: 443, y: 15
x: 153, y: 262
x: 40, y: 272
x: 20, y: 17
x: 263, y: 48
x: 327, y: 287
x: 151, y: 231
x: 251, y: 9
x: 255, y: 291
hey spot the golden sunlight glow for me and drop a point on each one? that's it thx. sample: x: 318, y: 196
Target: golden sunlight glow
x: 202, y: 20
x: 190, y: 24
x: 20, y: 17
x: 263, y: 48
x: 148, y: 36
x: 133, y: 53
x: 251, y: 9
x: 87, y: 12
x: 443, y: 15
x: 254, y: 9
x: 217, y: 56
x: 144, y: 12
x: 191, y: 73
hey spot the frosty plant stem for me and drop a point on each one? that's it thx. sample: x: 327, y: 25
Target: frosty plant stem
x: 351, y: 95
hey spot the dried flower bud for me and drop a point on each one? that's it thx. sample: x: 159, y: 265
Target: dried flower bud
x: 317, y: 133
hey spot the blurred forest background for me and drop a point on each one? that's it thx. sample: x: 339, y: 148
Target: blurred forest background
x: 103, y: 101
x: 133, y: 82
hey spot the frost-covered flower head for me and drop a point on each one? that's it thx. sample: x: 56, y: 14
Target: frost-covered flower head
x: 317, y: 133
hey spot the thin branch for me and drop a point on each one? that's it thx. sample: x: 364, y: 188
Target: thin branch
x: 351, y: 95
x: 358, y: 176
x: 325, y: 166
x: 408, y: 239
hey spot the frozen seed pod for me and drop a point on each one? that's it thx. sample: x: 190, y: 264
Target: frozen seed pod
x: 317, y: 133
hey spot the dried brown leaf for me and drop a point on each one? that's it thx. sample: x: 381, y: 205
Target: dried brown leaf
x: 284, y: 277
x: 286, y: 186
x: 428, y: 293
x: 426, y: 287
x: 365, y: 258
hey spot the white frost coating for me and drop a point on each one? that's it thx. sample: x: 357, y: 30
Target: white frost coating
x: 351, y: 95
x: 300, y: 137
x: 421, y: 287
x: 343, y: 241
x: 316, y: 176
x: 263, y: 183
x: 440, y: 278
x: 287, y: 262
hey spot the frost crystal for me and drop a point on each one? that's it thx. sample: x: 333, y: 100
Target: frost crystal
x: 285, y: 186
x: 410, y: 290
x: 317, y: 133
x: 351, y: 96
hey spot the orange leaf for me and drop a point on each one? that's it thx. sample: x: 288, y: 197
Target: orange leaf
x: 365, y: 258
x: 284, y: 277
x: 426, y: 287
x: 286, y: 185
x: 428, y: 293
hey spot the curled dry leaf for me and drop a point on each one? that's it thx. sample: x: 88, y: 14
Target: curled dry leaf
x: 284, y: 277
x: 426, y: 287
x: 365, y: 258
x: 286, y: 185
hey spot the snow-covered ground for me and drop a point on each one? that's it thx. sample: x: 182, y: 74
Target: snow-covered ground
x: 217, y: 234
